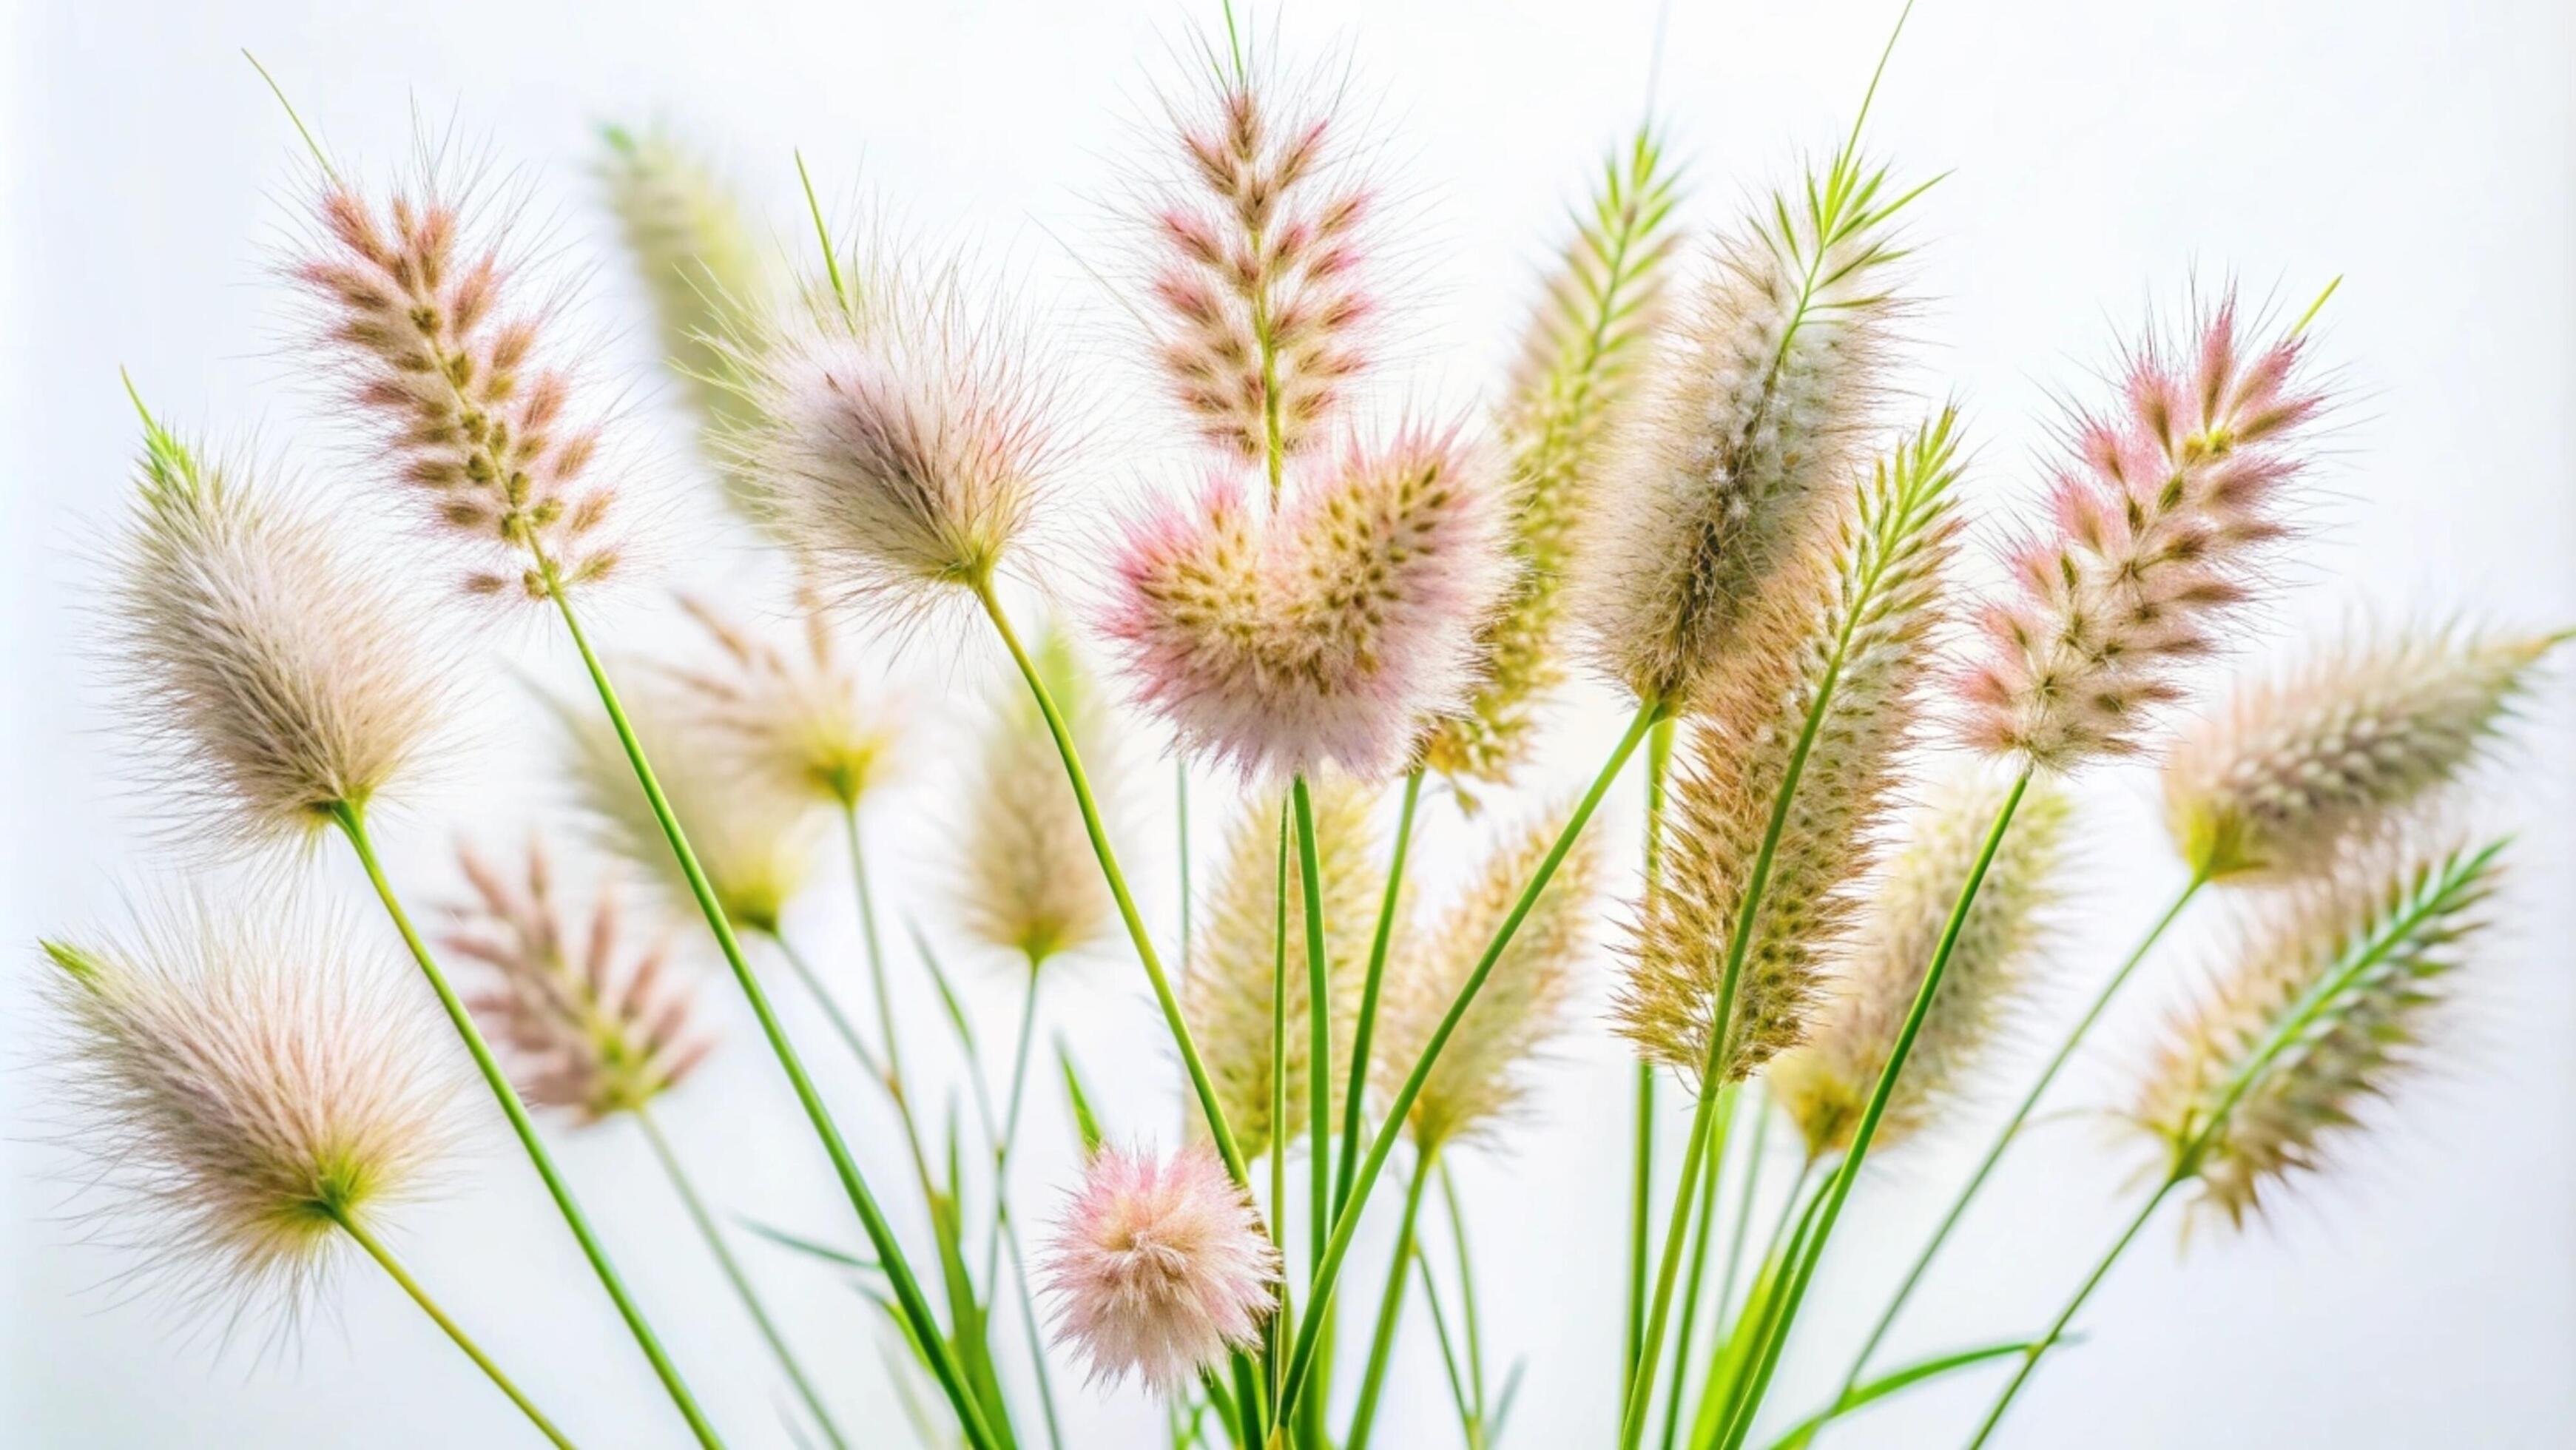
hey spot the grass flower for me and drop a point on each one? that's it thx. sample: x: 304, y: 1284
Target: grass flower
x: 1030, y: 886
x: 595, y: 1030
x: 2293, y: 770
x: 1475, y: 1085
x: 1331, y: 634
x: 272, y: 679
x: 794, y: 722
x: 2164, y: 510
x: 1160, y: 1267
x: 1825, y: 1083
x: 1852, y: 627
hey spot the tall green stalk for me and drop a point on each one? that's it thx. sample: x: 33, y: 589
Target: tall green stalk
x: 1363, y: 1034
x: 352, y: 821
x: 1390, y: 1308
x: 393, y: 1269
x: 1319, y: 1027
x: 1641, y: 1178
x: 1700, y: 1235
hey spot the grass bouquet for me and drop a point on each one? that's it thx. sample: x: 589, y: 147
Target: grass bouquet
x: 1706, y: 485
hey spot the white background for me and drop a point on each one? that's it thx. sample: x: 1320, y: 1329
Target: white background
x: 2101, y: 158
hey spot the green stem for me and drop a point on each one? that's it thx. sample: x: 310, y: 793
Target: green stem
x: 1390, y: 1308
x: 1364, y: 1032
x: 1319, y: 1026
x: 1170, y: 1004
x: 1744, y: 1200
x: 2011, y: 1129
x: 1641, y: 1178
x: 1181, y: 814
x: 393, y: 1267
x: 842, y: 1027
x: 1283, y: 1323
x: 733, y: 1273
x: 1726, y: 1114
x: 876, y: 952
x: 1839, y: 1189
x: 916, y: 1308
x: 2057, y: 1329
x: 1470, y: 1323
x: 1346, y: 1223
x: 352, y: 821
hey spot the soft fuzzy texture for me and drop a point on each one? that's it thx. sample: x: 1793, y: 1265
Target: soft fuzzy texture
x: 1332, y: 633
x: 1864, y: 612
x: 589, y: 1027
x: 1475, y: 1087
x: 1763, y: 393
x: 795, y: 721
x: 270, y: 676
x: 239, y: 1087
x: 1030, y: 883
x: 2318, y: 1014
x: 2164, y: 511
x: 1825, y: 1084
x: 1226, y: 992
x: 1577, y: 378
x: 1159, y: 1267
x: 2293, y: 770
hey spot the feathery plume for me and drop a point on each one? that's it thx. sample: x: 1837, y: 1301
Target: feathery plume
x: 594, y: 1031
x: 795, y: 723
x: 1260, y: 246
x: 2163, y: 511
x: 273, y: 679
x: 1226, y: 994
x: 243, y: 1088
x: 1160, y: 1267
x: 1826, y: 1082
x: 1030, y: 886
x: 1842, y: 640
x: 445, y: 360
x: 2320, y: 1012
x: 1576, y: 380
x: 1474, y: 1087
x: 1762, y: 393
x: 2293, y: 770
x: 1331, y: 633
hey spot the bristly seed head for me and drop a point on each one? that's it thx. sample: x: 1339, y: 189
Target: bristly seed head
x: 793, y: 721
x: 1030, y: 885
x: 1159, y: 1266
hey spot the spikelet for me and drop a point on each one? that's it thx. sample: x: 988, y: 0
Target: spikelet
x: 444, y: 359
x: 1260, y: 245
x: 1576, y: 378
x: 1159, y: 1267
x: 1763, y: 391
x: 755, y: 841
x: 2163, y: 513
x: 693, y: 249
x: 905, y: 446
x: 1330, y: 634
x: 1865, y: 614
x: 2293, y: 770
x: 1826, y: 1083
x: 588, y: 1028
x: 794, y: 723
x: 239, y: 1088
x: 2319, y: 1012
x: 1474, y: 1087
x: 1226, y: 993
x: 271, y: 677
x: 1030, y: 885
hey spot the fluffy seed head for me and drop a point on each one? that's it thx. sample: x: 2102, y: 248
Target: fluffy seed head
x: 1159, y: 1267
x: 1330, y: 633
x: 1226, y: 993
x: 443, y: 357
x: 2320, y: 1011
x: 1826, y: 1083
x: 272, y: 679
x: 239, y: 1089
x: 1576, y: 380
x: 1761, y: 397
x: 2293, y: 770
x: 1259, y: 257
x: 2163, y: 508
x: 1030, y: 884
x: 1841, y: 640
x: 792, y: 721
x: 1475, y: 1086
x: 591, y: 1028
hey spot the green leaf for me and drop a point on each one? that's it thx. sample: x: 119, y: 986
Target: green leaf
x: 1084, y: 1122
x: 810, y: 1247
x: 1888, y: 1384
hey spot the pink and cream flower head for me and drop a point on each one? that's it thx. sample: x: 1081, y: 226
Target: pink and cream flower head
x: 1160, y: 1266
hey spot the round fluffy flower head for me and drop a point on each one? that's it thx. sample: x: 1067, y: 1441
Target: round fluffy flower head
x: 444, y: 357
x: 792, y: 721
x: 241, y: 1089
x: 2162, y: 513
x: 593, y: 1030
x: 1159, y: 1266
x: 272, y: 677
x: 2294, y: 769
x: 1030, y: 885
x: 1331, y: 632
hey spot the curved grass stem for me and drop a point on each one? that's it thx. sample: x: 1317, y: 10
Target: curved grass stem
x: 393, y: 1269
x: 1364, y: 1032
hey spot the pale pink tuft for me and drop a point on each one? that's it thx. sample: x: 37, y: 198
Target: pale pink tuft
x: 1161, y: 1267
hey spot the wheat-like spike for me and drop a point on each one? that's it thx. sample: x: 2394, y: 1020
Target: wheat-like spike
x: 791, y: 720
x: 1860, y: 615
x: 1029, y: 885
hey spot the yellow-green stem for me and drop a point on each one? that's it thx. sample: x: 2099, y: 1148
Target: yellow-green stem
x: 1390, y: 1309
x: 1319, y: 1026
x: 1726, y: 1115
x: 1364, y: 1031
x: 393, y: 1268
x: 1641, y: 1177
